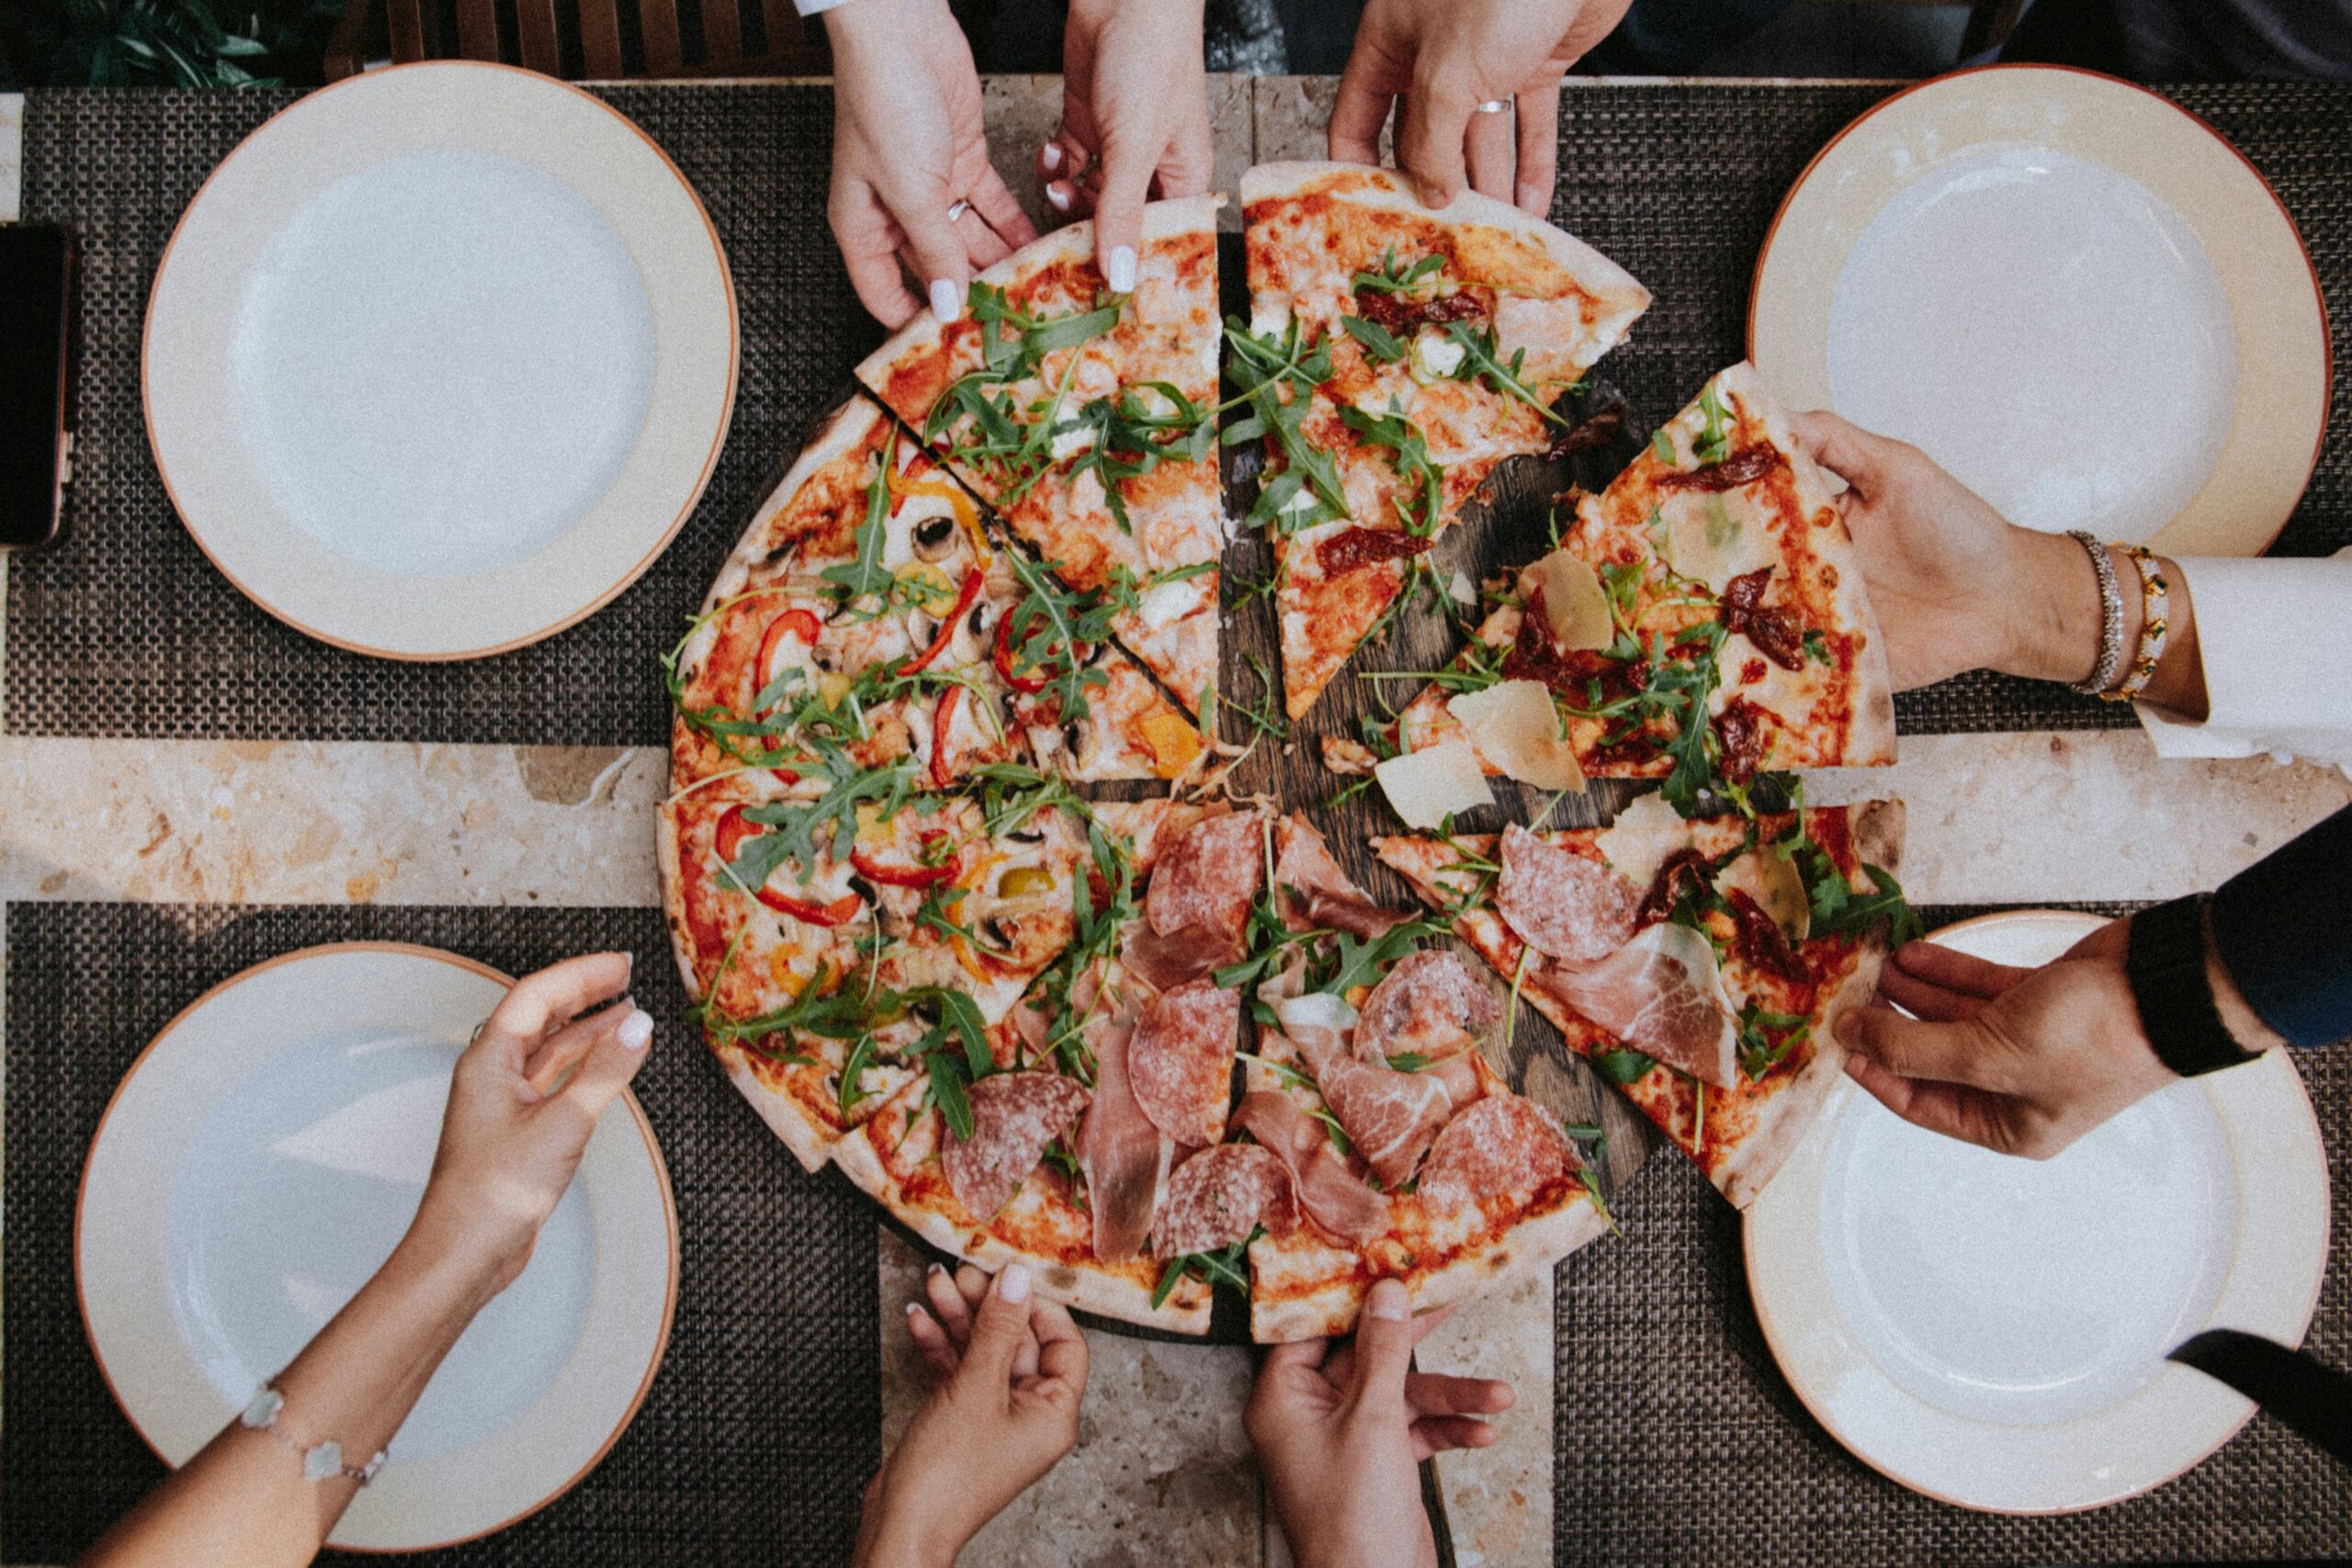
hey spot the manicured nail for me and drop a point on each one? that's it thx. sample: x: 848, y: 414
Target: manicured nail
x: 636, y: 1030
x: 1120, y: 274
x: 1013, y: 1283
x: 946, y: 299
x: 914, y: 1309
x: 1389, y: 1303
x: 1059, y: 194
x: 937, y: 1269
x: 1050, y: 158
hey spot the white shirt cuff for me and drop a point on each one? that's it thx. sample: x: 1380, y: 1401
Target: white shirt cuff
x: 2275, y: 637
x: 811, y: 7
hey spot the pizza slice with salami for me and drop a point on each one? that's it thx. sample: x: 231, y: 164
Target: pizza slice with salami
x: 1701, y: 621
x: 1394, y: 358
x: 866, y: 605
x: 1702, y: 967
x: 1088, y: 420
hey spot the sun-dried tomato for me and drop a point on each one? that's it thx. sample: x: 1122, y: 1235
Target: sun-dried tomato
x: 1359, y: 548
x: 1776, y: 633
x: 1760, y: 941
x: 1684, y: 871
x: 1744, y: 466
x: 1403, y: 316
x: 1596, y: 429
x: 1739, y: 729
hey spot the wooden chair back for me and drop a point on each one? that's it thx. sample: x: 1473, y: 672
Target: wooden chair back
x: 588, y: 39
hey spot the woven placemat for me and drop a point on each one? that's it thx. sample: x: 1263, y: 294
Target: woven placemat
x: 126, y: 630
x: 764, y: 1422
x: 1678, y: 1440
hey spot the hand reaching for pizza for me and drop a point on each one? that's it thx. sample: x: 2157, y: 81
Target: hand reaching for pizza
x: 1340, y: 1431
x: 912, y: 185
x: 525, y: 1097
x: 1009, y: 1371
x: 1445, y: 58
x: 1134, y: 121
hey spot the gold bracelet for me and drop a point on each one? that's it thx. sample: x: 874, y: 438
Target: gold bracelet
x: 2154, y: 598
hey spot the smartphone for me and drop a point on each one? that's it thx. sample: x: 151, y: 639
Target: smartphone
x: 36, y: 374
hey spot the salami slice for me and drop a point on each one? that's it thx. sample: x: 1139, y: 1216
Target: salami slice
x: 1015, y: 1116
x: 1219, y: 1196
x: 1561, y: 904
x: 1207, y: 878
x: 1501, y: 1146
x: 1429, y: 1005
x: 1179, y: 1066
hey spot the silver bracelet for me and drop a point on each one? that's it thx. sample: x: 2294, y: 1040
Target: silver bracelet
x: 321, y: 1461
x: 2111, y: 617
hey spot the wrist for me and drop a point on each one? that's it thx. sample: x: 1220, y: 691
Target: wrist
x: 451, y: 1253
x: 2056, y: 622
x: 895, y: 1544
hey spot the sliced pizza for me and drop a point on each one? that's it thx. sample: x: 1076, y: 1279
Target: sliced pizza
x: 866, y: 606
x: 1394, y: 356
x: 1701, y: 966
x: 1701, y: 620
x: 1088, y: 420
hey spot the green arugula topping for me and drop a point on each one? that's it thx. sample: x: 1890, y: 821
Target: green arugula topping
x: 866, y: 575
x: 1480, y: 362
x: 1009, y: 444
x: 1765, y: 1037
x: 1378, y: 341
x: 1395, y: 278
x: 1622, y: 1067
x: 1130, y: 440
x: 801, y: 831
x: 1422, y: 500
x: 1714, y: 442
x: 1662, y: 444
x: 1261, y: 368
x: 1220, y: 1268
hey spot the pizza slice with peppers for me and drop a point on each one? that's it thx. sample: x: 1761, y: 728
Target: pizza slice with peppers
x: 1394, y: 358
x: 867, y: 605
x: 1701, y: 621
x: 830, y: 925
x: 1700, y: 966
x: 1088, y: 420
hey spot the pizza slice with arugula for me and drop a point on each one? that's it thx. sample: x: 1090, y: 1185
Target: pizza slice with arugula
x: 1394, y: 358
x: 1702, y: 967
x: 1088, y: 420
x: 1702, y: 621
x: 866, y: 606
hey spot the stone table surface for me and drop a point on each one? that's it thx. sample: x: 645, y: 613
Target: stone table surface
x: 1162, y: 1473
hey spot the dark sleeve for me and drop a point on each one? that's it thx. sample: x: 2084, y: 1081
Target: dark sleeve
x: 2283, y: 929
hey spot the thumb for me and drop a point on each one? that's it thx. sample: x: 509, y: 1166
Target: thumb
x: 610, y: 1064
x: 1118, y: 211
x: 998, y: 1329
x: 1842, y: 447
x: 1385, y: 1334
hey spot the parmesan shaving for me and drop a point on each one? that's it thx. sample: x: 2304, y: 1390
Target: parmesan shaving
x: 1708, y: 541
x: 1514, y: 726
x: 1772, y: 880
x: 1426, y: 787
x: 1644, y: 833
x: 1574, y: 603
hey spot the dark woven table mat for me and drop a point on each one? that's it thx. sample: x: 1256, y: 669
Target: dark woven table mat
x: 764, y: 1425
x: 1678, y: 1440
x: 127, y: 630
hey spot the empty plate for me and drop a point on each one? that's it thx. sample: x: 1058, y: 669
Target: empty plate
x: 439, y: 359
x: 2074, y: 295
x: 1991, y: 1330
x: 257, y: 1166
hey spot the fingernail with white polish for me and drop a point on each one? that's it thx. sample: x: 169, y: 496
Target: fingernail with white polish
x: 1050, y: 159
x: 1388, y: 1303
x: 636, y: 1030
x: 1013, y: 1283
x: 1121, y: 272
x: 1059, y: 193
x: 914, y: 1309
x: 947, y: 301
x: 937, y: 1269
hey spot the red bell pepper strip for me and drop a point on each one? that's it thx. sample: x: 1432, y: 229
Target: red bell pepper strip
x: 733, y: 830
x: 797, y: 622
x: 1031, y: 684
x: 972, y: 580
x: 911, y: 875
x: 940, y: 777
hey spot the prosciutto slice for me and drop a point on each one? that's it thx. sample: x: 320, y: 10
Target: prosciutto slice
x: 1125, y: 1158
x: 1561, y: 904
x: 1015, y: 1116
x: 1390, y: 1116
x: 1430, y: 1005
x: 1662, y: 995
x: 1330, y: 1195
x: 1183, y: 955
x: 1316, y: 894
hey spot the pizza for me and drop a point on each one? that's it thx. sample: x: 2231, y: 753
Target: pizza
x: 1702, y: 621
x: 1701, y: 966
x: 1394, y: 356
x: 865, y: 608
x: 1087, y: 421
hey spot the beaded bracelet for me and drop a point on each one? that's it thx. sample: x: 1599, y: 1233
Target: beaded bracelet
x: 2154, y: 598
x: 321, y: 1461
x: 2111, y: 617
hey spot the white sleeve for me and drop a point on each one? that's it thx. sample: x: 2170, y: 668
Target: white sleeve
x: 2275, y: 637
x: 811, y: 7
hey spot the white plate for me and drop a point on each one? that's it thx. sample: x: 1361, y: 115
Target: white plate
x: 257, y: 1165
x: 2076, y: 295
x: 439, y: 359
x: 1990, y: 1331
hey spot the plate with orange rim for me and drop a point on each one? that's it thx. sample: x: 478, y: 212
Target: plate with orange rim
x: 439, y: 359
x: 2077, y: 295
x: 258, y: 1163
x: 1991, y: 1330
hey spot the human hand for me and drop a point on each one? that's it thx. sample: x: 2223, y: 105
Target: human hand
x: 908, y: 147
x: 1446, y: 57
x: 523, y: 1101
x: 1338, y: 1433
x: 1009, y: 1371
x: 1134, y: 121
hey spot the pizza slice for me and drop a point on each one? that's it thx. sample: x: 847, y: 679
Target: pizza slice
x: 1394, y: 356
x: 1714, y: 576
x: 1088, y: 420
x: 867, y: 606
x: 829, y: 926
x: 1701, y: 966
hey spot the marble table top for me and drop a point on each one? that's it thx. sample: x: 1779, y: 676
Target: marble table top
x: 1162, y: 1472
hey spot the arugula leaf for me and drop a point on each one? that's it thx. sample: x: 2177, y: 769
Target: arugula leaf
x: 1621, y: 1066
x: 1662, y: 444
x: 861, y: 1056
x: 1131, y: 440
x: 1359, y: 962
x: 868, y: 575
x: 947, y: 1091
x: 1480, y: 362
x: 1714, y: 442
x: 1817, y: 645
x: 1263, y: 369
x: 1393, y: 280
x: 801, y: 831
x: 1378, y: 341
x: 1223, y: 1266
x: 1424, y: 481
x: 1765, y: 1037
